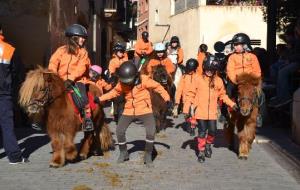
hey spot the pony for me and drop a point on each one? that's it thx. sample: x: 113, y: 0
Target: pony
x: 249, y: 91
x: 44, y: 92
x: 160, y: 110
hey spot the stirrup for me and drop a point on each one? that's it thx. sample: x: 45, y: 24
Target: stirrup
x: 87, y: 125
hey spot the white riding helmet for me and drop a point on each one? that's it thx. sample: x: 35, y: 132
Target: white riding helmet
x: 160, y: 47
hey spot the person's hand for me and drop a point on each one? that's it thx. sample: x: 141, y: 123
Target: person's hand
x: 97, y: 100
x: 69, y: 83
x: 235, y: 108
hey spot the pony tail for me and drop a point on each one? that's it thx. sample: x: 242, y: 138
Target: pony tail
x: 106, y: 141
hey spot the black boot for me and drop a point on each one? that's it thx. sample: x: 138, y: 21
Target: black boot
x: 87, y: 124
x: 201, y: 157
x: 208, y: 150
x: 148, y: 154
x: 124, y: 156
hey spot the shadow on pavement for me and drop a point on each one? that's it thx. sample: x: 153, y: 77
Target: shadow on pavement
x: 139, y: 145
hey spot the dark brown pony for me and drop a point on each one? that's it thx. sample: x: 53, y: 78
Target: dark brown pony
x: 44, y: 91
x: 249, y: 89
x: 160, y: 110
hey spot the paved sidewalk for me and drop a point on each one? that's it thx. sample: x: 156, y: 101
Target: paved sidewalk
x: 176, y: 166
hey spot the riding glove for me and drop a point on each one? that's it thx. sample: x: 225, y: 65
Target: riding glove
x: 236, y: 108
x: 97, y: 100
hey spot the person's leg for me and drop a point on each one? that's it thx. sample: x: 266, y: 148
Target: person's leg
x: 10, y: 143
x: 122, y: 126
x: 202, y: 128
x: 85, y: 108
x: 212, y: 129
x: 149, y: 123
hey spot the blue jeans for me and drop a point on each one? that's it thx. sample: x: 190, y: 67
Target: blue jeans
x: 283, y: 84
x: 10, y: 143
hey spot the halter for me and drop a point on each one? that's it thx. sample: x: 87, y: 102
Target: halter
x: 46, y: 100
x: 253, y: 101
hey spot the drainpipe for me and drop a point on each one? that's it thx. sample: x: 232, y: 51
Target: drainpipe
x: 164, y: 25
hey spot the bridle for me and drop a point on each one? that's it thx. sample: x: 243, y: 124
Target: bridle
x: 46, y: 99
x: 252, y: 101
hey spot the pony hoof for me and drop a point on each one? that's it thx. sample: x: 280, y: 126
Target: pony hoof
x: 54, y: 165
x: 82, y: 157
x: 243, y: 157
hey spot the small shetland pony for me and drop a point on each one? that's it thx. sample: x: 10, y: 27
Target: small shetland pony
x: 249, y: 89
x: 160, y: 110
x: 44, y: 91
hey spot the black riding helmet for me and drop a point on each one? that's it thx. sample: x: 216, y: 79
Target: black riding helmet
x: 145, y: 35
x: 210, y: 63
x: 242, y: 38
x: 174, y: 39
x: 76, y: 30
x: 127, y: 72
x: 119, y: 47
x: 191, y: 65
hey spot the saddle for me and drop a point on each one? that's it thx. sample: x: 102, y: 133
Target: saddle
x: 78, y: 101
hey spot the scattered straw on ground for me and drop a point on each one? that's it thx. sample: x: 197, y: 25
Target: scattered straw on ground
x: 113, y: 178
x: 82, y: 187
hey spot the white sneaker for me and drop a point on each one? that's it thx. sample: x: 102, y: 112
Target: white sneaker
x: 22, y: 161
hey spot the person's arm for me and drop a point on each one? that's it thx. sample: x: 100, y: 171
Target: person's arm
x: 83, y: 66
x: 222, y: 94
x: 149, y: 48
x: 230, y: 70
x: 179, y: 90
x: 115, y: 92
x: 169, y: 66
x: 180, y: 56
x: 55, y: 61
x: 151, y: 84
x: 255, y: 66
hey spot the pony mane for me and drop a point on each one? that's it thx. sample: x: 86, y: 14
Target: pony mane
x: 248, y: 79
x: 34, y: 82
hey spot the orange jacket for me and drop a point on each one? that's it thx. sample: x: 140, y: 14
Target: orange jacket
x: 6, y: 51
x: 115, y: 63
x: 200, y: 58
x: 137, y: 99
x: 101, y: 84
x: 165, y: 61
x: 142, y: 47
x: 68, y: 66
x: 206, y: 97
x: 187, y: 90
x: 242, y: 62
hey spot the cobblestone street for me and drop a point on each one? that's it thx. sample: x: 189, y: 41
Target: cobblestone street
x: 176, y: 166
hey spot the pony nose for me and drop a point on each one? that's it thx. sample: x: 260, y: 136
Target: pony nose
x: 33, y: 108
x: 245, y: 112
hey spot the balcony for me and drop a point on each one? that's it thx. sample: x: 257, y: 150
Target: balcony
x: 110, y: 9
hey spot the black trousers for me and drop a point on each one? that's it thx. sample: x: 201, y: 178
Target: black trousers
x: 209, y: 126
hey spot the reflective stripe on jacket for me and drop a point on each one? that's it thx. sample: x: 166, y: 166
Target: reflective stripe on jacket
x: 7, y: 67
x: 187, y: 90
x: 137, y: 98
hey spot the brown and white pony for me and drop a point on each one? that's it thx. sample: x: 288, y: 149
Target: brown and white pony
x: 44, y: 92
x: 249, y: 89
